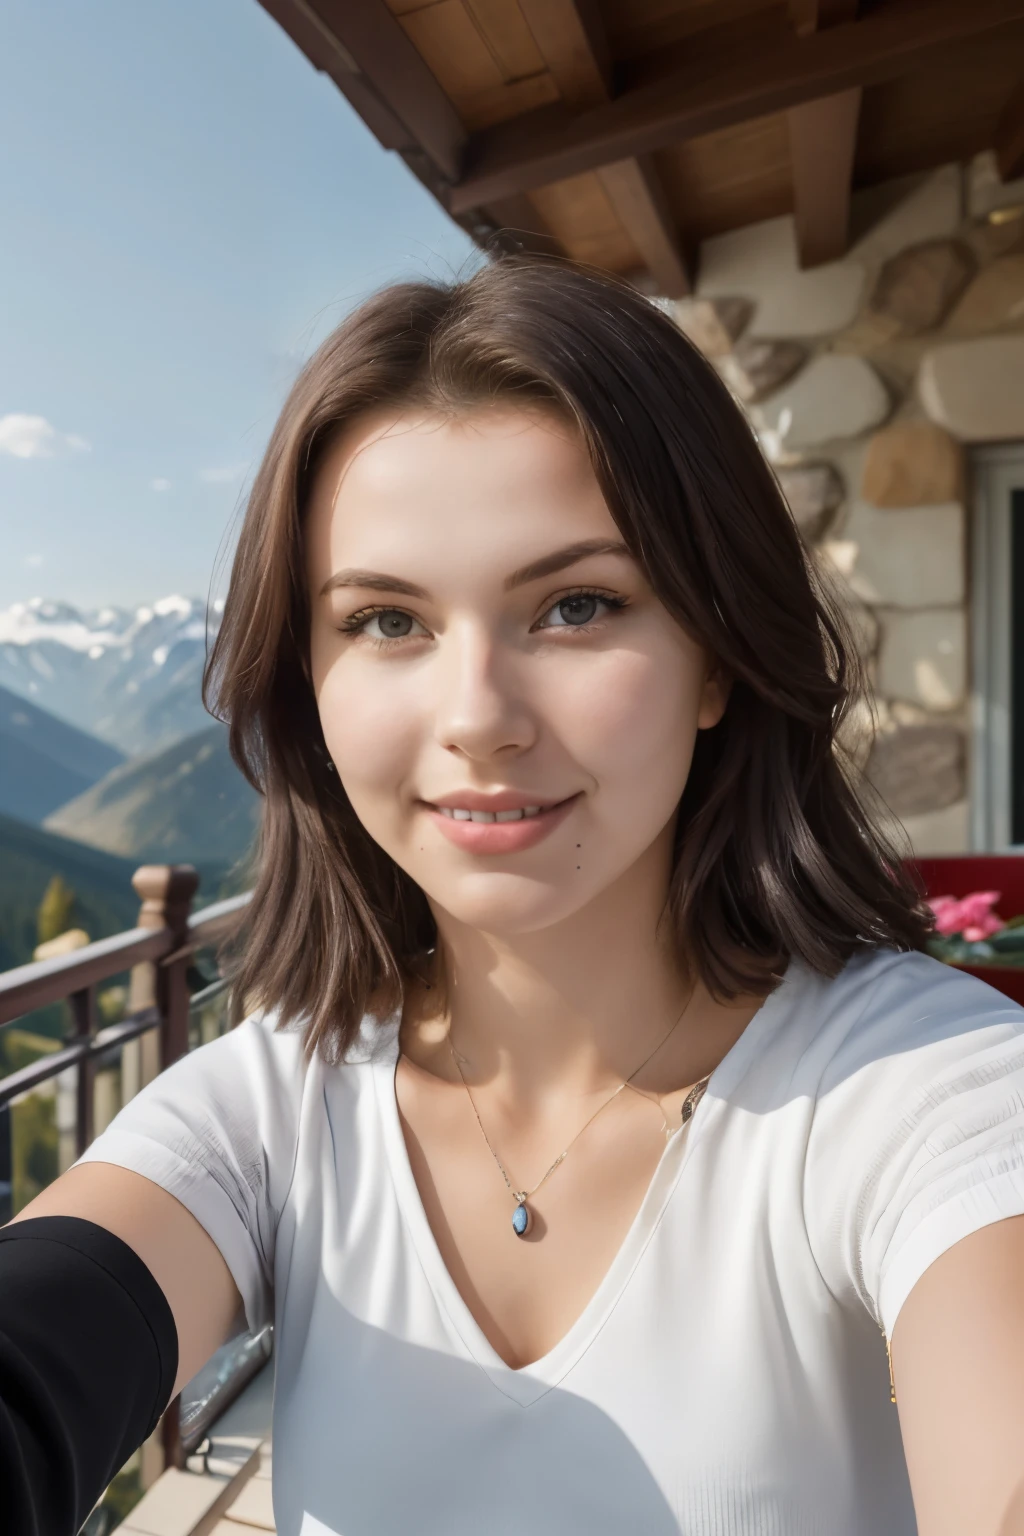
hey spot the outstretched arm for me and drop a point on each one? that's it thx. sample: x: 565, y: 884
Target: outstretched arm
x: 182, y: 1258
x: 107, y: 1304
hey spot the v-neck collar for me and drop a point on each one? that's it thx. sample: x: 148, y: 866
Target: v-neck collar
x: 526, y: 1384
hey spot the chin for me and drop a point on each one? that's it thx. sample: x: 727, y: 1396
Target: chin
x: 509, y: 904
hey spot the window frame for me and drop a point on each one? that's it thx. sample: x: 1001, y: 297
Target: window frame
x: 997, y: 472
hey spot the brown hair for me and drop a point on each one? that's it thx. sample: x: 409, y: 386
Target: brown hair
x: 776, y: 855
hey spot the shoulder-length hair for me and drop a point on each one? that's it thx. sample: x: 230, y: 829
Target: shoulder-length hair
x: 775, y: 856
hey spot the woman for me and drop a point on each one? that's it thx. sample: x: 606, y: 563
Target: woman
x: 596, y: 1113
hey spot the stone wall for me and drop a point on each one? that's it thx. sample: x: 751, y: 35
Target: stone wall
x: 864, y: 380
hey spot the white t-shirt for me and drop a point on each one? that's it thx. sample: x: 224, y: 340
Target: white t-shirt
x: 729, y: 1375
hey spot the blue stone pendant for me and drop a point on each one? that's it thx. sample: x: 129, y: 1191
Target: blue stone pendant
x: 521, y: 1219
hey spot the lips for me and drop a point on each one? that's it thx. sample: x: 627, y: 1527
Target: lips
x: 498, y: 824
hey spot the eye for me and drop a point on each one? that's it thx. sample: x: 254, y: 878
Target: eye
x: 384, y: 624
x: 578, y: 609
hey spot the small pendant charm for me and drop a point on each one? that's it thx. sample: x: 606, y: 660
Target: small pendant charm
x: 521, y: 1220
x: 692, y: 1099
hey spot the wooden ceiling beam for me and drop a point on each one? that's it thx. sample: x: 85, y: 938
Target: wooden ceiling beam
x: 552, y: 142
x: 634, y: 189
x: 822, y: 144
x: 574, y: 46
x: 362, y: 47
x: 822, y: 147
x: 1009, y: 140
x: 810, y: 16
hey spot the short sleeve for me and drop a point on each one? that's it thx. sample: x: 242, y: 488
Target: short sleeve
x: 218, y: 1130
x: 917, y: 1137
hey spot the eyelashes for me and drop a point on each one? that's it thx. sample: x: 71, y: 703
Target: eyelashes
x: 358, y: 624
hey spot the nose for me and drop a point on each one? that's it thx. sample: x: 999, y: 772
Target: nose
x: 480, y: 708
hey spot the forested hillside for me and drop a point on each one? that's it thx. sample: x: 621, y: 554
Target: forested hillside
x: 104, y: 903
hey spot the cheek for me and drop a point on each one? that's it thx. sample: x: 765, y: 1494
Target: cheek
x: 372, y: 732
x: 633, y: 721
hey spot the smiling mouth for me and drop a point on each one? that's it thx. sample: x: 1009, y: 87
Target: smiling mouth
x: 505, y: 829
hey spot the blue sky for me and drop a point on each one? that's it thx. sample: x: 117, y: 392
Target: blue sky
x: 188, y: 207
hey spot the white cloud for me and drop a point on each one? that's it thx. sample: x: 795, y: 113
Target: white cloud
x: 33, y: 560
x: 33, y: 437
x: 159, y: 484
x: 223, y: 474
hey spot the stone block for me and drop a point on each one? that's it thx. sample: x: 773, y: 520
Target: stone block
x: 910, y: 558
x: 713, y: 325
x: 990, y: 241
x: 993, y: 301
x: 987, y: 193
x: 834, y: 558
x: 858, y: 729
x: 760, y: 262
x: 916, y: 289
x: 864, y: 628
x: 918, y: 768
x: 814, y: 493
x: 905, y: 212
x: 833, y: 397
x: 936, y: 832
x: 923, y: 657
x: 975, y: 389
x: 910, y: 464
x: 757, y: 368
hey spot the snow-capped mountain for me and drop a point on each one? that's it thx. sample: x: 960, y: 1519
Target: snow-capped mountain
x: 131, y: 677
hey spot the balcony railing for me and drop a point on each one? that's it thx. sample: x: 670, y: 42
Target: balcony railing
x: 168, y: 1007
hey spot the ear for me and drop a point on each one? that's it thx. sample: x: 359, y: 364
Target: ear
x: 714, y: 696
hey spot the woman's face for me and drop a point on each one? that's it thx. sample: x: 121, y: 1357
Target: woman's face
x: 510, y: 709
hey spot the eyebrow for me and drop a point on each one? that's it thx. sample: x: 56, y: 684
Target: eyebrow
x: 546, y: 565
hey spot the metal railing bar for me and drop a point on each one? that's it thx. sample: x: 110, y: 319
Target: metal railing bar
x: 27, y: 1078
x: 208, y: 993
x: 50, y: 981
x: 128, y: 1029
x: 209, y: 922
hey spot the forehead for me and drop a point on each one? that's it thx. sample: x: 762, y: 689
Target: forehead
x: 493, y: 478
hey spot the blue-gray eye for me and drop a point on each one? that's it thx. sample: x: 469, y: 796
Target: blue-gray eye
x: 579, y: 609
x: 392, y: 624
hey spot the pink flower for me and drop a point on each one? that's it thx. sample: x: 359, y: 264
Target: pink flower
x: 970, y: 916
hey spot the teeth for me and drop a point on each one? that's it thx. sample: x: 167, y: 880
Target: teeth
x: 457, y: 814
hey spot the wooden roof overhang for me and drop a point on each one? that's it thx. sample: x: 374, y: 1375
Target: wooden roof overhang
x: 624, y: 132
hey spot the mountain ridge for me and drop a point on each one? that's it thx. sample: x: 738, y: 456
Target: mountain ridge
x: 132, y: 677
x: 43, y: 760
x: 184, y: 802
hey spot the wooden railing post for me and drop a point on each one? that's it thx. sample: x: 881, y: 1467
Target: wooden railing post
x: 167, y: 891
x: 83, y: 1013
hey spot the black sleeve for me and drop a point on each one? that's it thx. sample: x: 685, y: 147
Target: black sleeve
x: 88, y: 1357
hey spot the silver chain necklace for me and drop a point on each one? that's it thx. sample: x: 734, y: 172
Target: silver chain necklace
x: 522, y: 1218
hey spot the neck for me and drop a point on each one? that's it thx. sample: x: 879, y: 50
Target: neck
x: 575, y: 1007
